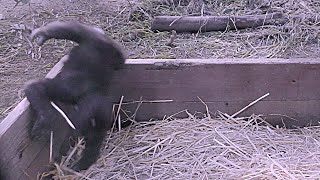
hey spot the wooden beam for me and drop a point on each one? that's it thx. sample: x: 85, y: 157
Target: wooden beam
x: 226, y: 85
x: 214, y: 23
x: 223, y: 84
x: 17, y: 151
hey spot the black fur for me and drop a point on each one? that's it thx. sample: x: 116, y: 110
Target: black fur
x: 83, y: 81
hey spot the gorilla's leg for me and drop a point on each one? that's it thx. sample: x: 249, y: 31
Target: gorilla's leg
x: 37, y: 95
x: 98, y: 108
x: 63, y: 88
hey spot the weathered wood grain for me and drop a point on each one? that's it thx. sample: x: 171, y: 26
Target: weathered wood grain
x: 223, y: 84
x: 17, y: 151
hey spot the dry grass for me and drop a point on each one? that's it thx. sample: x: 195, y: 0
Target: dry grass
x: 202, y: 146
x: 207, y: 148
x: 20, y: 60
x: 129, y: 23
x: 297, y: 38
x: 196, y: 147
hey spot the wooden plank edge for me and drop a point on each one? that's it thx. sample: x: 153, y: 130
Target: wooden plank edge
x: 224, y: 61
x: 24, y: 104
x: 14, y: 116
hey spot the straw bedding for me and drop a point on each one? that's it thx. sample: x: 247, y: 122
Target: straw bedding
x: 201, y: 147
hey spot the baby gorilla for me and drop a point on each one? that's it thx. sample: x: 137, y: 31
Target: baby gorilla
x: 83, y: 81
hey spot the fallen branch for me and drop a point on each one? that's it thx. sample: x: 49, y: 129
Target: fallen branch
x: 214, y: 23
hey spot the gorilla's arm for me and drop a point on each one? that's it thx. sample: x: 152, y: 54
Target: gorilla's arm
x: 66, y: 30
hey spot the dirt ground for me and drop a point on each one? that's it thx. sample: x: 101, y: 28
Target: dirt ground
x: 129, y: 23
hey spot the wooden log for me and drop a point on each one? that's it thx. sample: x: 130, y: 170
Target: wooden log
x: 214, y: 23
x: 227, y: 85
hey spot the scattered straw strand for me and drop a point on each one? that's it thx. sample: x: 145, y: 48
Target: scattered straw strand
x: 249, y: 105
x: 51, y: 145
x: 63, y: 114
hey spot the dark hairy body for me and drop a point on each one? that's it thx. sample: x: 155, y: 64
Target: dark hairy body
x: 83, y: 82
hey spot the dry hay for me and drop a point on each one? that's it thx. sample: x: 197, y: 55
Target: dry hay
x: 224, y: 148
x: 128, y: 21
x: 201, y: 147
x: 297, y: 38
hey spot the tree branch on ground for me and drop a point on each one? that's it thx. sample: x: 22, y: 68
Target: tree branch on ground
x: 215, y: 23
